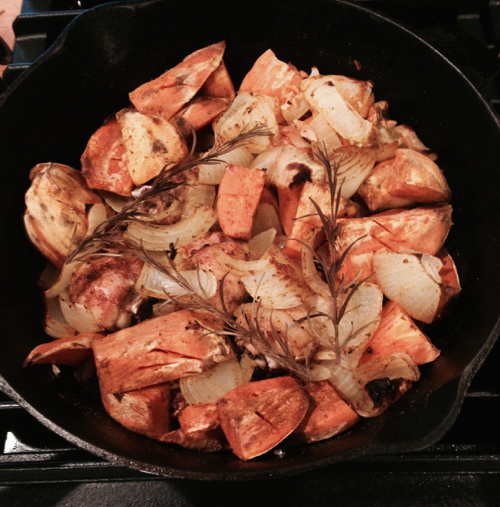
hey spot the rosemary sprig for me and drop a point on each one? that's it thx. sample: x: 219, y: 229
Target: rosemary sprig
x: 251, y: 333
x: 109, y: 234
x: 331, y: 261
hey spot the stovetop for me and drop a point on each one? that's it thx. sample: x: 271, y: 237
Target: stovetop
x: 463, y: 469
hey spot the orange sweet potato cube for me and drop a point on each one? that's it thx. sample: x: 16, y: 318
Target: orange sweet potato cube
x: 144, y: 411
x: 166, y: 94
x: 328, y: 413
x: 258, y: 416
x: 397, y: 332
x: 239, y: 195
x: 158, y: 350
x: 72, y: 350
x: 199, y: 429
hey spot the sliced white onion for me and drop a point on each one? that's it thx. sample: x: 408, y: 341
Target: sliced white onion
x: 294, y: 109
x: 159, y: 237
x: 398, y: 366
x: 78, y: 316
x: 55, y: 324
x: 249, y: 110
x: 114, y: 201
x: 211, y: 174
x: 283, y: 163
x: 208, y: 387
x: 325, y: 98
x: 348, y: 386
x: 299, y: 340
x: 63, y: 280
x: 354, y: 165
x: 266, y: 218
x: 356, y: 327
x: 311, y: 275
x: 405, y: 278
x: 96, y: 215
x: 326, y: 136
x: 280, y: 285
x: 154, y: 283
x: 261, y: 242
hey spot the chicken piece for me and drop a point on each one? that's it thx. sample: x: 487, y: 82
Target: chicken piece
x: 144, y: 411
x: 198, y: 113
x: 151, y: 143
x: 72, y: 350
x: 328, y: 414
x: 397, y: 332
x: 422, y: 229
x: 105, y: 286
x: 166, y: 94
x: 239, y: 195
x: 407, y: 179
x: 199, y: 429
x: 104, y: 161
x: 56, y: 210
x: 270, y: 76
x: 159, y: 350
x: 256, y: 417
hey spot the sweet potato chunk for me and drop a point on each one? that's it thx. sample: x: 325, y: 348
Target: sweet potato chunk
x: 239, y: 195
x: 144, y: 411
x: 199, y: 429
x: 72, y: 350
x: 158, y: 350
x: 307, y: 218
x: 166, y: 94
x: 198, y: 113
x: 219, y: 84
x: 270, y: 76
x: 398, y: 332
x: 328, y: 413
x: 104, y: 163
x: 422, y: 229
x: 408, y: 178
x: 258, y: 416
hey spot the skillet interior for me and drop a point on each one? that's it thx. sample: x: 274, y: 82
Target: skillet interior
x: 49, y: 114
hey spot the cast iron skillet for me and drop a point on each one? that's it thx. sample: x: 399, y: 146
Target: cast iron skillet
x: 50, y: 112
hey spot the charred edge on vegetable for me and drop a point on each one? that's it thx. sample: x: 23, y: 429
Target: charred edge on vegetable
x: 384, y: 390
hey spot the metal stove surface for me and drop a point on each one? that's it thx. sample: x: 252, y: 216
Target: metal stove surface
x: 463, y: 469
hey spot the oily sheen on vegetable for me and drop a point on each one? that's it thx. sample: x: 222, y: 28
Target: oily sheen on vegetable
x: 274, y: 287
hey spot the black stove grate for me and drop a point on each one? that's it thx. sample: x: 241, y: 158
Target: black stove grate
x: 462, y: 469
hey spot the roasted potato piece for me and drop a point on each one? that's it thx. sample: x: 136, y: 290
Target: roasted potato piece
x: 151, y: 143
x: 56, y: 210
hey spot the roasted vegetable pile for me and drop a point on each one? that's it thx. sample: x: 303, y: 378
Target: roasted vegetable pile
x: 236, y: 268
